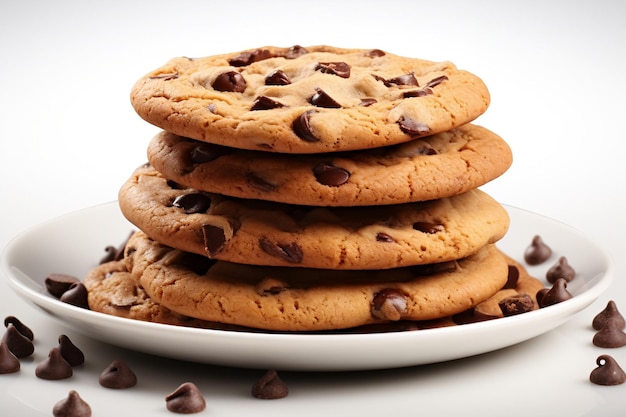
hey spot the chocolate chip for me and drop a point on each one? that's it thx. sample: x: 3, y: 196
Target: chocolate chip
x: 517, y: 304
x: 610, y: 311
x: 412, y: 127
x: 20, y: 345
x: 270, y: 286
x: 57, y: 284
x: 72, y: 406
x: 9, y: 363
x: 54, y: 367
x: 389, y: 304
x: 436, y: 81
x: 426, y: 149
x: 247, y: 58
x: 270, y: 387
x: 259, y: 183
x: 197, y: 263
x: 512, y: 277
x: 206, y: 152
x: 330, y: 175
x: 165, y: 77
x: 186, y: 399
x: 538, y: 252
x: 610, y: 335
x: 230, y: 81
x: 322, y: 99
x: 406, y: 79
x: 19, y: 326
x: 193, y: 203
x: 428, y: 227
x: 366, y: 102
x: 422, y: 92
x: 114, y: 253
x: 302, y: 127
x: 561, y: 269
x: 295, y: 52
x: 117, y: 376
x: 214, y: 239
x: 374, y: 53
x: 277, y: 77
x: 70, y: 352
x: 608, y: 372
x: 558, y: 293
x: 290, y: 252
x: 340, y: 69
x: 265, y: 103
x: 384, y: 237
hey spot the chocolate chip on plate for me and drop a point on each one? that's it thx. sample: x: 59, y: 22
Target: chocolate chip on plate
x: 57, y: 284
x: 561, y: 269
x: 537, y: 252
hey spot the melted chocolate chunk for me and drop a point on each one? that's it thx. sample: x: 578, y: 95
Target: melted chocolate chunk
x: 72, y: 406
x: 54, y: 367
x: 389, y: 304
x: 561, y: 269
x: 57, y: 284
x: 295, y: 52
x: 230, y: 81
x: 270, y: 387
x: 207, y: 152
x: 70, y: 352
x: 610, y: 335
x: 302, y: 127
x: 76, y: 295
x: 609, y: 312
x: 322, y: 99
x: 384, y: 237
x: 412, y: 127
x: 193, y: 203
x: 277, y: 77
x: 608, y: 372
x: 417, y: 93
x: 340, y: 69
x: 117, y: 376
x: 247, y: 58
x: 406, y: 79
x: 436, y: 81
x: 374, y: 53
x: 366, y: 102
x: 427, y: 227
x: 538, y: 252
x: 265, y: 103
x: 186, y: 399
x: 21, y: 327
x: 20, y: 345
x: 330, y: 175
x: 558, y: 293
x: 214, y: 239
x: 512, y: 277
x: 9, y: 363
x: 290, y: 252
x: 518, y: 304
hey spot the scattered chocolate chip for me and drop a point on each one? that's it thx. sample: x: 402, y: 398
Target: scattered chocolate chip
x: 609, y: 312
x: 72, y: 406
x: 57, y: 284
x: 186, y: 399
x: 290, y: 252
x: 412, y: 127
x: 384, y: 237
x: 9, y: 363
x: 302, y: 127
x: 265, y: 103
x: 366, y: 102
x: 515, y: 305
x: 230, y: 81
x: 247, y: 58
x: 330, y: 175
x: 165, y: 77
x: 76, y: 295
x: 214, y: 239
x: 608, y: 372
x: 270, y: 387
x: 558, y: 293
x: 340, y: 69
x: 428, y: 227
x: 610, y: 335
x: 193, y: 203
x: 54, y: 367
x: 207, y: 152
x: 436, y: 81
x: 21, y: 327
x: 374, y: 53
x: 389, y: 304
x: 70, y: 352
x: 512, y: 277
x: 118, y: 376
x: 322, y: 99
x: 561, y: 269
x: 295, y: 52
x: 270, y: 286
x: 538, y: 252
x: 20, y: 345
x: 277, y: 77
x: 259, y: 183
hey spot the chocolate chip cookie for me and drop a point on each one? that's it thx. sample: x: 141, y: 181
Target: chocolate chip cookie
x: 267, y: 233
x: 301, y: 299
x: 439, y: 166
x: 308, y: 100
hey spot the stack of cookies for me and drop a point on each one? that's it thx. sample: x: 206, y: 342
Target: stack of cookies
x: 309, y: 189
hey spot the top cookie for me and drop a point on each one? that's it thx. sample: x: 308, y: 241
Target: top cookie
x: 308, y: 100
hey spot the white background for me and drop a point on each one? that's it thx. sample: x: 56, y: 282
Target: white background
x: 556, y: 71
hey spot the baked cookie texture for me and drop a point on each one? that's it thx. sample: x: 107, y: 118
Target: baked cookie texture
x: 308, y: 99
x: 266, y: 233
x: 441, y: 165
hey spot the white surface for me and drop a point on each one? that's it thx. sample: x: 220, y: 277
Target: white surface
x: 556, y: 73
x: 28, y: 258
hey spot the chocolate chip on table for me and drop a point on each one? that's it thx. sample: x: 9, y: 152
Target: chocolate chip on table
x: 608, y: 372
x: 118, y: 375
x: 270, y: 387
x: 389, y: 304
x: 20, y: 345
x: 330, y: 175
x: 21, y: 327
x: 412, y: 127
x: 610, y: 335
x: 340, y: 69
x: 265, y: 103
x: 57, y: 284
x: 230, y: 81
x: 70, y: 352
x: 537, y: 252
x: 558, y: 293
x: 290, y: 252
x: 322, y: 99
x: 302, y: 127
x: 193, y: 203
x: 186, y: 399
x: 72, y: 406
x: 55, y: 367
x: 9, y: 363
x: 562, y: 269
x: 609, y: 312
x: 76, y: 295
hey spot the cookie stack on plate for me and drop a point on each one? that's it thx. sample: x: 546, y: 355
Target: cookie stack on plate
x: 313, y: 189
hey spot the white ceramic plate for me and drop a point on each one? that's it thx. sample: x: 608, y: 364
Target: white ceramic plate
x: 74, y: 243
